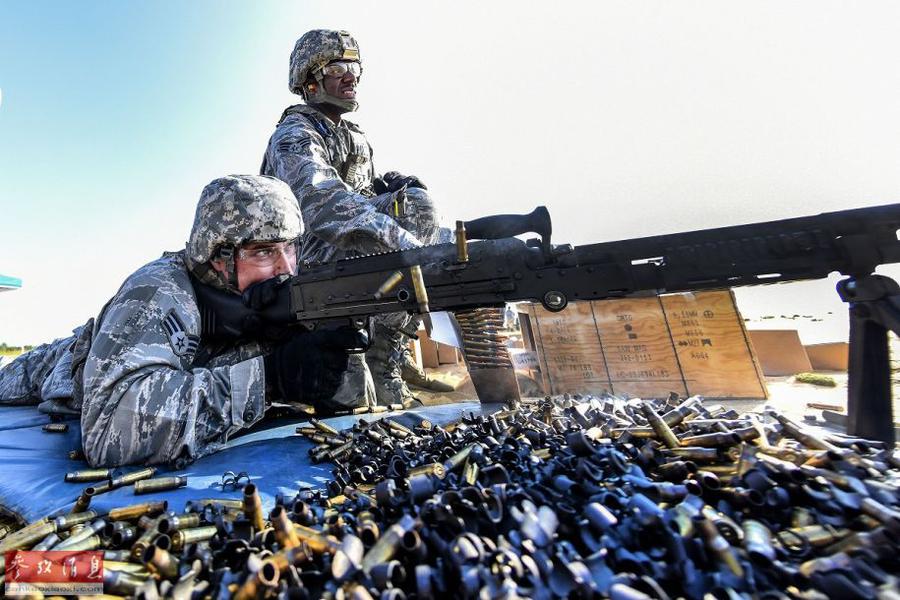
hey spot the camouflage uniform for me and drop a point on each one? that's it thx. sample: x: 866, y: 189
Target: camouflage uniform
x: 154, y: 390
x: 330, y: 170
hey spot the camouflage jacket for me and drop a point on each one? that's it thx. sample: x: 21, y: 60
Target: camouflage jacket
x: 329, y: 168
x: 154, y: 392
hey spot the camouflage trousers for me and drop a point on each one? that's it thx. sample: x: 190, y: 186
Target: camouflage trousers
x: 44, y: 376
x: 418, y: 216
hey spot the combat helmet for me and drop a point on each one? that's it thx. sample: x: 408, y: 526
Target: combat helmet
x: 234, y: 210
x: 314, y: 50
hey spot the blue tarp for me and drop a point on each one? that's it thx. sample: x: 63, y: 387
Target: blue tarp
x: 33, y: 463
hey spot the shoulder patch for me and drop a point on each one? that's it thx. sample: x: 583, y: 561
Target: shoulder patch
x: 183, y: 344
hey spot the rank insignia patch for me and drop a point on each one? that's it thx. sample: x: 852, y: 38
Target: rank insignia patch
x: 183, y: 343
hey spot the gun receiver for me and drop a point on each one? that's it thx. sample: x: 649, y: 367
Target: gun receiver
x: 499, y: 269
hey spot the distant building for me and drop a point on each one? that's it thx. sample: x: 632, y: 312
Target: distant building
x: 9, y: 283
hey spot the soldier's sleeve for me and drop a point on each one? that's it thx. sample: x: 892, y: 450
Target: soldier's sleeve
x: 143, y: 402
x: 331, y: 210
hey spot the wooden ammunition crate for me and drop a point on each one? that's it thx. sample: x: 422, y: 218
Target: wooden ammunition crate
x: 693, y: 343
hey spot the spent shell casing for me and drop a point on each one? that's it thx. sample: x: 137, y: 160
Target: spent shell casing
x: 663, y: 431
x: 87, y: 543
x: 758, y: 541
x: 717, y: 545
x: 28, y: 538
x: 201, y: 503
x: 458, y: 459
x: 184, y: 537
x: 146, y: 539
x: 317, y: 541
x: 101, y: 488
x: 130, y: 478
x: 83, y: 501
x: 120, y: 582
x: 284, y: 530
x: 92, y: 529
x: 711, y: 440
x: 261, y: 584
x: 136, y: 511
x: 47, y: 543
x: 253, y: 507
x: 695, y: 453
x: 72, y: 519
x: 89, y: 475
x: 161, y: 562
x: 159, y: 484
x: 183, y: 521
x: 388, y: 543
x: 56, y: 427
x: 324, y: 427
x: 434, y: 469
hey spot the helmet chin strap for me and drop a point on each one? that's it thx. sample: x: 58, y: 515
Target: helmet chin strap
x: 320, y: 96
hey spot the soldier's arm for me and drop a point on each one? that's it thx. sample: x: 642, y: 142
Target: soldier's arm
x: 143, y: 403
x: 331, y: 210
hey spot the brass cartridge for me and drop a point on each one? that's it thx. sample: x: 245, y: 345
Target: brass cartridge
x: 758, y: 542
x: 89, y: 475
x: 317, y: 541
x: 160, y: 484
x: 387, y: 545
x: 324, y: 427
x: 284, y: 530
x: 135, y: 511
x: 717, y: 545
x: 161, y: 562
x: 185, y: 537
x: 130, y: 478
x: 663, y: 431
x: 253, y: 507
x: 260, y: 584
x: 434, y: 469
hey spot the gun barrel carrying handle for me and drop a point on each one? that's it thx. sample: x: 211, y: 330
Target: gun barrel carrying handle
x: 503, y: 226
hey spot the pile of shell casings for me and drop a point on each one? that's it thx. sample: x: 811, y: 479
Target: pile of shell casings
x: 560, y: 498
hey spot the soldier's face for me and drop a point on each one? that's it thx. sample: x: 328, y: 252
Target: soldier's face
x: 255, y: 262
x: 341, y: 86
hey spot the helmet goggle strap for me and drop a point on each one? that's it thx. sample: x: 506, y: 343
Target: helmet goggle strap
x: 226, y: 255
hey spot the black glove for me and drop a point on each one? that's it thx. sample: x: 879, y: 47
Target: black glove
x: 270, y: 300
x: 309, y: 366
x: 263, y: 312
x: 393, y: 181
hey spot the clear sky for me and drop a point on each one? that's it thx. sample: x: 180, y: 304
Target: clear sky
x: 625, y: 118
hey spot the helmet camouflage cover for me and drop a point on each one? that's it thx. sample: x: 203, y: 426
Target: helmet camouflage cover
x: 234, y: 210
x: 314, y: 50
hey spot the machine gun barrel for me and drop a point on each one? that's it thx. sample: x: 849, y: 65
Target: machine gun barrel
x: 852, y: 242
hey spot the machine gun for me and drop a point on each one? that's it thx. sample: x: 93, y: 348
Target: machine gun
x: 501, y: 268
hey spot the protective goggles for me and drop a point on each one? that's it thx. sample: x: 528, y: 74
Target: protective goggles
x: 269, y: 253
x: 338, y: 69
